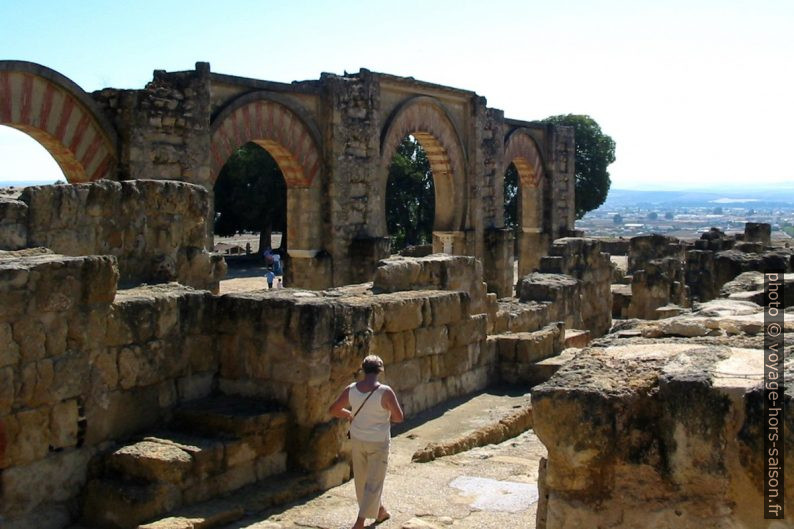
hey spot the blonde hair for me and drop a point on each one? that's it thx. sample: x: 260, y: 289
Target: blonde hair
x: 372, y: 364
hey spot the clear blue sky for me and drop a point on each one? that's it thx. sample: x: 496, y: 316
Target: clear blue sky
x: 695, y: 93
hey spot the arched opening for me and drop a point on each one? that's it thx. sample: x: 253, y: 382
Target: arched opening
x: 410, y: 197
x: 523, y: 196
x: 25, y: 161
x: 258, y: 122
x: 427, y: 122
x: 512, y: 197
x: 251, y: 198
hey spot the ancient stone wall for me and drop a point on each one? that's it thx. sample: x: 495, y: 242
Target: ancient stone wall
x: 645, y: 248
x: 164, y: 127
x: 662, y: 435
x: 659, y: 283
x: 583, y: 260
x: 156, y: 230
x: 665, y: 270
x: 86, y: 366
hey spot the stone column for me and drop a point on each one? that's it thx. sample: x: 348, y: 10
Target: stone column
x: 308, y: 268
x: 499, y: 261
x: 530, y: 250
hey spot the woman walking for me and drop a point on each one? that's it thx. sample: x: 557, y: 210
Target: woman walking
x: 372, y: 408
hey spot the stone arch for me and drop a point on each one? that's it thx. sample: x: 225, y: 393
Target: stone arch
x: 63, y: 118
x: 291, y: 138
x: 522, y: 151
x: 426, y: 119
x: 275, y: 125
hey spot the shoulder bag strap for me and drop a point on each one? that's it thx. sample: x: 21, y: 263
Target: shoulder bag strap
x: 365, y: 400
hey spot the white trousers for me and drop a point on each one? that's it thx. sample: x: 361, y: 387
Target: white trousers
x: 369, y: 470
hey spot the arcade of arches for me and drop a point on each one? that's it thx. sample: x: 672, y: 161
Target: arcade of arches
x: 333, y: 140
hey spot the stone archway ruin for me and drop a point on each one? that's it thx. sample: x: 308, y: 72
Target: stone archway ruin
x: 61, y: 117
x: 333, y: 139
x: 426, y: 120
x: 522, y: 151
x: 292, y: 141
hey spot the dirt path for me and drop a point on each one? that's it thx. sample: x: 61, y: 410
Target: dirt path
x: 494, y: 486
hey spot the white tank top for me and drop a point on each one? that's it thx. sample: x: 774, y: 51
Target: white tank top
x: 372, y: 421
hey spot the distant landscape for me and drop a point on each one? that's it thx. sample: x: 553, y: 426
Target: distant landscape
x: 688, y: 213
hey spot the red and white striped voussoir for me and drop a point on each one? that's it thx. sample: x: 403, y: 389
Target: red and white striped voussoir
x: 275, y: 128
x: 58, y: 120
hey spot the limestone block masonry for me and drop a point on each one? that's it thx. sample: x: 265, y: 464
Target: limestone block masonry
x: 155, y: 229
x: 90, y: 376
x: 333, y: 139
x: 662, y: 435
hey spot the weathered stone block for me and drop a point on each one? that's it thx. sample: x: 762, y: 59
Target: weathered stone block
x: 9, y: 352
x: 64, y: 419
x: 151, y: 461
x: 57, y: 478
x: 28, y: 434
x: 401, y: 313
x: 431, y: 340
x: 404, y: 375
x: 661, y: 430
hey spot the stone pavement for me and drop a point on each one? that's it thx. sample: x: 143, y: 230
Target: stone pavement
x: 494, y: 486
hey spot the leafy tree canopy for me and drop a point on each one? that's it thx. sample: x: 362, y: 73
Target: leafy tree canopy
x: 250, y: 194
x: 594, y: 152
x: 511, y: 197
x: 410, y: 197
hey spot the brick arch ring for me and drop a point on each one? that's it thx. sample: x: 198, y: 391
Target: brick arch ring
x: 62, y: 117
x: 427, y: 120
x: 522, y: 151
x: 275, y: 124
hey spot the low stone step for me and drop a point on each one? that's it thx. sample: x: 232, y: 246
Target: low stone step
x: 254, y: 498
x: 241, y: 442
x: 229, y: 415
x: 540, y: 372
x: 117, y: 504
x: 577, y: 338
x: 514, y: 316
x: 520, y: 352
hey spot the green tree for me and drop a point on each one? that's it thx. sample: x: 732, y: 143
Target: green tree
x: 410, y: 196
x: 511, y: 197
x: 594, y: 152
x: 251, y: 195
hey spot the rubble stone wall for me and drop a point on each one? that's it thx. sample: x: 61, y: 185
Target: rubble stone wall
x: 156, y: 230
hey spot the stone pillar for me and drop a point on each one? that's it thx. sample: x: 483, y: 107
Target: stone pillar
x: 365, y: 253
x: 499, y: 262
x: 310, y: 269
x: 530, y: 250
x: 563, y: 182
x: 758, y: 232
